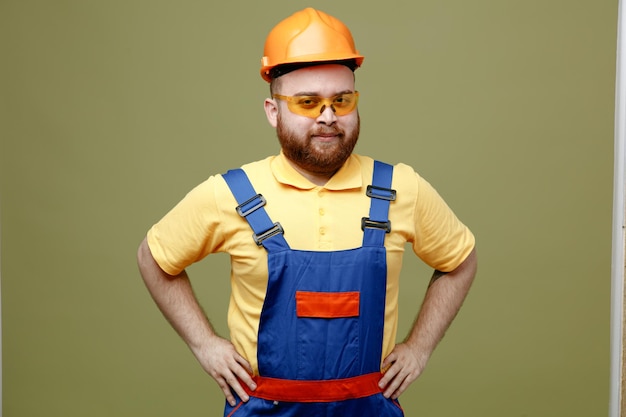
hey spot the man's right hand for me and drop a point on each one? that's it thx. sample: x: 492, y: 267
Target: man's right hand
x: 220, y: 360
x: 175, y: 298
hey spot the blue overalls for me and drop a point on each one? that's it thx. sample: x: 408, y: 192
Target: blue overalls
x: 321, y: 327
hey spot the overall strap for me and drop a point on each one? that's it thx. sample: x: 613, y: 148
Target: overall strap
x: 377, y: 224
x: 265, y: 232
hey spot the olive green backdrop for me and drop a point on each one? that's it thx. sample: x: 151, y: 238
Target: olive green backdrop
x: 113, y: 110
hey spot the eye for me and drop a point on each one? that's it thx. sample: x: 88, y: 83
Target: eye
x: 342, y: 100
x: 308, y: 102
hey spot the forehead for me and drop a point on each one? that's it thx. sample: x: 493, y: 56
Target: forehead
x: 323, y: 80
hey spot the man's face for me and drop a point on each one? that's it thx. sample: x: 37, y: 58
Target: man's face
x: 319, y: 145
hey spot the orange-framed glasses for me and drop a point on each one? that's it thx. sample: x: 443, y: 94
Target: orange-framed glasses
x: 313, y: 106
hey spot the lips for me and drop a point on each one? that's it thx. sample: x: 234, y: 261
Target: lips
x: 327, y: 134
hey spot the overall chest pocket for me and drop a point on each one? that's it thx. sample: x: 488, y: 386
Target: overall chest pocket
x: 328, y: 334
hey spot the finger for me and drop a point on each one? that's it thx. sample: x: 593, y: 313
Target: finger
x: 232, y: 384
x: 243, y: 362
x: 389, y: 391
x: 227, y: 393
x: 395, y: 383
x: 389, y: 360
x: 236, y: 386
x: 243, y: 373
x: 400, y: 390
x: 388, y: 377
x: 407, y: 380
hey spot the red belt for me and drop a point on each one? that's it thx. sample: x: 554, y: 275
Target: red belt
x: 290, y: 390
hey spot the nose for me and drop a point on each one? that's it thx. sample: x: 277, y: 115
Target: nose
x: 327, y: 115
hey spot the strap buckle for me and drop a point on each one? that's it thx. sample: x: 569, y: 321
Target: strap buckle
x: 381, y: 193
x: 375, y: 224
x: 256, y: 206
x: 273, y: 231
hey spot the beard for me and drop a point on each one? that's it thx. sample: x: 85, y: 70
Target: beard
x: 315, y: 156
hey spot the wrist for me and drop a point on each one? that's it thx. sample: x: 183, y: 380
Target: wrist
x: 422, y: 352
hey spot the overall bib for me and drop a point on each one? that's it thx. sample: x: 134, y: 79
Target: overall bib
x: 321, y: 327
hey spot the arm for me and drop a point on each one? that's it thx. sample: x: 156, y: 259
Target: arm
x: 175, y: 298
x: 442, y: 302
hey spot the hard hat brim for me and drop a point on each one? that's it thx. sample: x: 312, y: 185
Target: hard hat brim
x: 311, y: 60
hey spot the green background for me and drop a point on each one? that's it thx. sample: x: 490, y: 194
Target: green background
x: 113, y: 110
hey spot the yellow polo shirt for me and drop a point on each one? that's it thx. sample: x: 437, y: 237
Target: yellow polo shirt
x: 318, y: 218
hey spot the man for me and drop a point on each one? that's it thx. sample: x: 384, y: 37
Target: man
x: 316, y: 237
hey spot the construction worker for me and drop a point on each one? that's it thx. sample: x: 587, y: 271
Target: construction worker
x: 316, y: 236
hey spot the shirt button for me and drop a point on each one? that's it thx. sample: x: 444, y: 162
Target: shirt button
x: 322, y: 212
x: 322, y: 231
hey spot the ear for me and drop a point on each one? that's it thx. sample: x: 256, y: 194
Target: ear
x: 271, y: 111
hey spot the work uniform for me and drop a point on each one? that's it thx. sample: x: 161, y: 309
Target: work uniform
x: 321, y: 328
x: 338, y: 253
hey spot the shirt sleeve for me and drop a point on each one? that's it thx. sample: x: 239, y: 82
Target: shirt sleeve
x: 441, y: 240
x: 189, y: 231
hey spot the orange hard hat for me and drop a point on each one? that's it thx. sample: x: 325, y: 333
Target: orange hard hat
x: 308, y: 36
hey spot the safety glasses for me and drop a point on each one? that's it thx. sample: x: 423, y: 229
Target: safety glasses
x: 313, y: 106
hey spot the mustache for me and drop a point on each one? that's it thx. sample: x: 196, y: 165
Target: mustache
x: 328, y: 130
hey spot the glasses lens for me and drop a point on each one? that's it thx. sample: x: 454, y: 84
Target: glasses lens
x: 309, y: 106
x: 344, y: 103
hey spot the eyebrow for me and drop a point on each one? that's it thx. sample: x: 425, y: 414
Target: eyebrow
x: 309, y: 93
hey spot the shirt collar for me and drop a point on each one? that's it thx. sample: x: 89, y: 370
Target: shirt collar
x: 348, y: 176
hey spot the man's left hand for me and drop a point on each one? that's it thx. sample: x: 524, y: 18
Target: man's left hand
x: 405, y: 366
